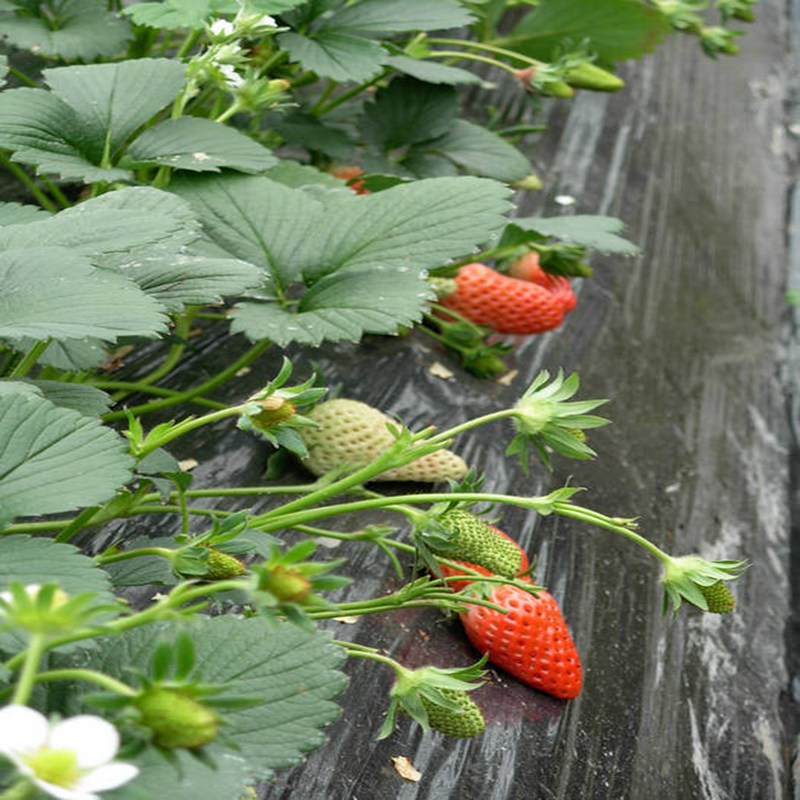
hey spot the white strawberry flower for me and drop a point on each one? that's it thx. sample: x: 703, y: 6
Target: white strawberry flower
x: 221, y: 27
x: 69, y: 760
x: 231, y: 76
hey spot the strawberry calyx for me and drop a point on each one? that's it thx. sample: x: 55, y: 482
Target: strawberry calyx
x: 437, y: 699
x: 545, y: 420
x: 700, y: 582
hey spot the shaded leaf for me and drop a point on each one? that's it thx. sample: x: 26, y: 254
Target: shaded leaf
x: 478, y: 150
x: 54, y: 459
x: 430, y: 71
x: 306, y: 130
x: 70, y: 29
x: 409, y: 111
x: 614, y: 30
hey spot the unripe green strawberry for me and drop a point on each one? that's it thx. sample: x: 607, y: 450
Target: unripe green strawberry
x: 719, y: 598
x: 590, y: 76
x: 221, y: 566
x: 466, y: 722
x: 477, y: 542
x: 557, y: 89
x: 176, y: 719
x: 286, y: 584
x: 353, y: 433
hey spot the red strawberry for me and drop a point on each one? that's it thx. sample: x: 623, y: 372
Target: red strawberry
x: 528, y: 268
x: 531, y: 641
x: 457, y: 586
x: 508, y: 305
x: 349, y: 173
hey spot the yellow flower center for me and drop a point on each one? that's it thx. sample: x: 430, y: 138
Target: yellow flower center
x: 59, y: 767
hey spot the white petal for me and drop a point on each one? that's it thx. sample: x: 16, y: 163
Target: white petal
x: 93, y: 740
x: 62, y: 793
x: 22, y: 730
x: 109, y: 776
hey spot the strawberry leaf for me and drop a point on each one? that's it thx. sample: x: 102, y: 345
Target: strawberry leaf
x: 293, y: 673
x: 55, y: 459
x: 51, y: 292
x: 334, y: 54
x: 78, y: 128
x: 340, y: 307
x: 85, y: 399
x: 592, y: 231
x: 199, y: 145
x: 71, y: 29
x: 616, y: 30
x: 397, y: 16
x: 430, y: 71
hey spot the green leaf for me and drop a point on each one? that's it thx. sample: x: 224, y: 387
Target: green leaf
x: 411, y: 226
x: 91, y: 229
x: 430, y: 71
x: 480, y: 151
x: 50, y: 292
x: 113, y: 101
x: 70, y: 355
x: 3, y: 69
x: 396, y: 16
x: 70, y: 29
x: 294, y: 672
x: 306, y: 130
x: 409, y: 111
x: 27, y: 560
x: 170, y: 14
x: 188, y: 777
x: 332, y: 54
x: 55, y: 459
x: 200, y: 145
x: 78, y: 128
x: 253, y: 218
x: 614, y: 30
x: 290, y: 173
x: 596, y: 232
x: 19, y: 213
x: 45, y: 132
x: 179, y: 280
x: 84, y: 399
x: 340, y: 307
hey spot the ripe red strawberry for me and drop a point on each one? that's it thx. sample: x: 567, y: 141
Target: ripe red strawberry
x: 457, y: 586
x: 351, y: 432
x: 531, y: 641
x: 528, y: 268
x: 350, y: 173
x: 508, y: 305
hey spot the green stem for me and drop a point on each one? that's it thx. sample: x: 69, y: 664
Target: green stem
x: 131, y: 387
x: 602, y: 521
x: 23, y: 789
x: 112, y: 558
x: 22, y: 77
x: 181, y: 428
x: 232, y: 109
x: 23, y: 367
x: 72, y: 527
x: 188, y: 43
x: 30, y: 667
x: 350, y: 93
x: 182, y: 326
x: 182, y: 397
x: 89, y: 676
x: 462, y: 56
x: 167, y: 509
x: 489, y: 48
x: 29, y: 183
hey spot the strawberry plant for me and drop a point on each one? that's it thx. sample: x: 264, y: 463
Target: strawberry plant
x: 284, y: 174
